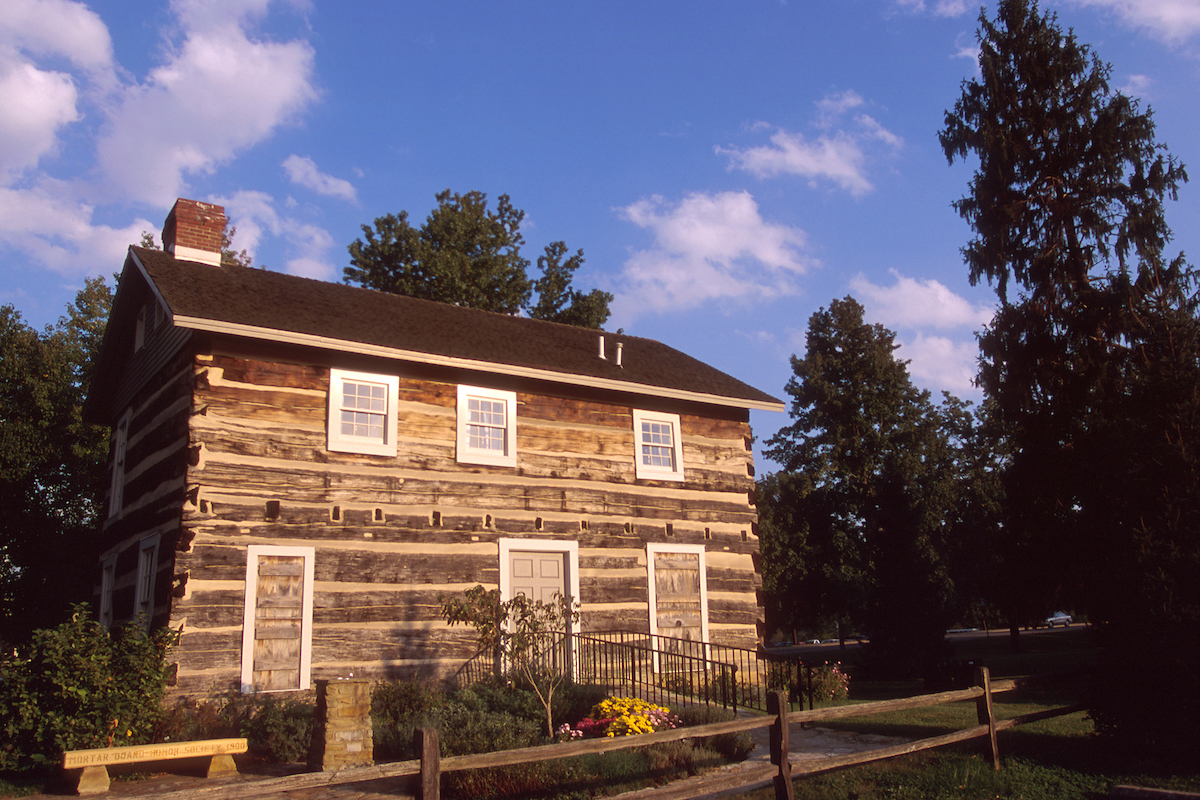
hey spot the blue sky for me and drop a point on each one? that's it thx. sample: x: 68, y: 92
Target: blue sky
x: 727, y: 168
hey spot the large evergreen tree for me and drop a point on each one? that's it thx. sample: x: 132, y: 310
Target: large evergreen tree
x: 854, y: 528
x: 1091, y: 360
x: 468, y: 255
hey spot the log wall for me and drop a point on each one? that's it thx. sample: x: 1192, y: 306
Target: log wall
x: 392, y: 535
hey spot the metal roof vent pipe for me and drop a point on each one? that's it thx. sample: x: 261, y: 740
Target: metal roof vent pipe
x: 602, y: 349
x: 619, y: 346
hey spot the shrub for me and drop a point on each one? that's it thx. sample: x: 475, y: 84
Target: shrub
x: 829, y: 683
x: 733, y: 746
x: 576, y: 700
x: 278, y: 729
x: 188, y: 720
x: 397, y: 710
x: 476, y: 719
x: 463, y: 730
x: 275, y: 728
x: 76, y: 687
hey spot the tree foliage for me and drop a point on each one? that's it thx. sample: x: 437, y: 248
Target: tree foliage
x: 1091, y: 361
x: 523, y: 635
x: 52, y: 464
x: 469, y: 255
x: 76, y: 686
x: 855, y: 528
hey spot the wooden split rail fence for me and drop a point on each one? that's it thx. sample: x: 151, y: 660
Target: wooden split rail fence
x: 424, y: 773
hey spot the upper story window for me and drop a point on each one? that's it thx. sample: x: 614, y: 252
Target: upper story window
x: 108, y: 575
x: 659, y: 450
x: 362, y: 412
x: 143, y: 607
x: 116, y: 488
x: 139, y: 330
x: 149, y: 317
x: 487, y: 426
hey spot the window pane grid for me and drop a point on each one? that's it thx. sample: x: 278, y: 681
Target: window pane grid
x: 364, y: 410
x: 485, y: 424
x: 658, y: 448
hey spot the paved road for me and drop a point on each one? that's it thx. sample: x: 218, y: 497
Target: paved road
x: 831, y: 650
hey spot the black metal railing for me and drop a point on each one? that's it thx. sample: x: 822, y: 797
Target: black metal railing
x: 662, y: 669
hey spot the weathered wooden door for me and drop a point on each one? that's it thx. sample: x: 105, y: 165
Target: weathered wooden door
x: 678, y: 609
x: 275, y: 647
x: 278, y: 623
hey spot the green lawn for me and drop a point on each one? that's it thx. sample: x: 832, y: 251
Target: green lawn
x: 1052, y: 759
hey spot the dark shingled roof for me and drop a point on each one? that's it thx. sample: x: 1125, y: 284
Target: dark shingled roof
x: 273, y: 301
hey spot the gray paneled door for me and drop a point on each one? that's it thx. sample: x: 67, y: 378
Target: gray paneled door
x: 538, y: 575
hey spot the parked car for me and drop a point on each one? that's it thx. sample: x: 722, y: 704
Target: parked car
x: 1059, y: 618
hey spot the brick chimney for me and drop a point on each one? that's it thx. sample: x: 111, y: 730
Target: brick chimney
x: 193, y: 231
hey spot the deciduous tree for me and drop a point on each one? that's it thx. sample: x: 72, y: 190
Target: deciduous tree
x: 52, y: 464
x: 468, y: 255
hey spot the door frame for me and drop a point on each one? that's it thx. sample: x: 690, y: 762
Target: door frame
x: 653, y: 549
x: 569, y: 548
x: 253, y: 552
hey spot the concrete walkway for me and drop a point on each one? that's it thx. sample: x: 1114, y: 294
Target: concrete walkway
x: 807, y: 744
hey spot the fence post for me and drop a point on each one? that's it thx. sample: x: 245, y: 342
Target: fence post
x: 426, y: 744
x: 984, y: 713
x: 777, y: 705
x: 808, y: 668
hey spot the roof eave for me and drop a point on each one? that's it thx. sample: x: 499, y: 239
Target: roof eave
x: 361, y: 348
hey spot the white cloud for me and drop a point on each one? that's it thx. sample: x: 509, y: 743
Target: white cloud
x: 39, y: 102
x: 1137, y: 85
x: 36, y: 104
x: 57, y: 231
x: 941, y: 362
x: 307, y: 246
x: 218, y: 90
x: 967, y: 49
x: 708, y: 247
x: 199, y: 111
x: 839, y: 156
x: 831, y: 109
x: 941, y: 8
x: 1170, y: 20
x: 910, y: 303
x: 913, y: 307
x: 59, y: 28
x: 303, y: 171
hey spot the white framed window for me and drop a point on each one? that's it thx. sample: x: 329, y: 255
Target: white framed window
x: 659, y: 453
x: 116, y: 488
x: 362, y: 412
x: 487, y: 426
x: 108, y: 577
x: 278, y: 616
x: 139, y: 330
x: 143, y: 605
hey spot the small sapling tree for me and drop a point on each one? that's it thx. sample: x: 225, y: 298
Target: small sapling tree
x: 525, y: 636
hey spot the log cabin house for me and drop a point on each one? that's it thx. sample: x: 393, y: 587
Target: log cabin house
x: 299, y: 469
